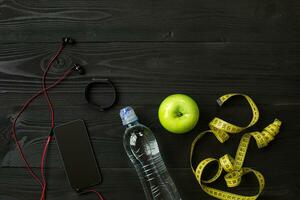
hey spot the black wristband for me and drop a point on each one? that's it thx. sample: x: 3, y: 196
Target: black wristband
x: 87, y: 94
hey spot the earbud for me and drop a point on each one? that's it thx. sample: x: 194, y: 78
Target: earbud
x: 68, y: 40
x: 79, y: 69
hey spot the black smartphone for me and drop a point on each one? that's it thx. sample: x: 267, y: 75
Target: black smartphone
x: 77, y: 154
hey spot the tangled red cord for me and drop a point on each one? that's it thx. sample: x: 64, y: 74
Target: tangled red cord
x: 42, y: 182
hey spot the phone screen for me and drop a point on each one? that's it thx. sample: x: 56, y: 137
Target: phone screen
x: 77, y: 154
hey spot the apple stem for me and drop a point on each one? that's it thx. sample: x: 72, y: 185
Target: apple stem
x: 179, y: 114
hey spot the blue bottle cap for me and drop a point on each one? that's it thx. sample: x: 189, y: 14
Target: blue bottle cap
x: 128, y: 115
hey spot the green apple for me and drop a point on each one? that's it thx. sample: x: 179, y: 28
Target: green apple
x: 178, y: 113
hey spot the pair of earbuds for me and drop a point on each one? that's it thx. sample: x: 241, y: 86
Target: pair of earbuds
x: 76, y: 67
x: 88, y: 88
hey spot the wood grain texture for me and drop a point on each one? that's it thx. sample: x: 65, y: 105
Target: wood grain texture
x: 150, y: 49
x: 127, y: 186
x: 148, y: 20
x: 144, y: 74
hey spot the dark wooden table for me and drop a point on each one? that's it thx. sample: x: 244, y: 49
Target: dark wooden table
x: 150, y: 49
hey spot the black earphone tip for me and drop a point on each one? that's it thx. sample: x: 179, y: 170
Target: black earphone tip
x: 68, y: 40
x: 79, y: 69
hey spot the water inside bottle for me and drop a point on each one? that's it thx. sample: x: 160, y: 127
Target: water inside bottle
x: 143, y: 151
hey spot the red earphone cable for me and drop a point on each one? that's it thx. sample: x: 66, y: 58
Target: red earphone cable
x: 24, y: 106
x: 97, y: 193
x: 44, y: 83
x: 43, y: 167
x: 45, y: 89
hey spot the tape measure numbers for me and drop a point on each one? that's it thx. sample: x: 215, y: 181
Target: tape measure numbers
x: 233, y: 166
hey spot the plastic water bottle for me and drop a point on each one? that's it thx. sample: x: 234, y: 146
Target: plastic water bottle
x: 142, y: 149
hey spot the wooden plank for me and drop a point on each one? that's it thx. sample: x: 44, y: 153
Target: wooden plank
x: 124, y: 184
x: 142, y: 20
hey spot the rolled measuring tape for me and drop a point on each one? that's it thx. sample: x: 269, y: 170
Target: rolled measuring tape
x: 233, y: 166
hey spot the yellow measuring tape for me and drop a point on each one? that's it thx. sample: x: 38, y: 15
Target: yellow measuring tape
x: 233, y: 166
